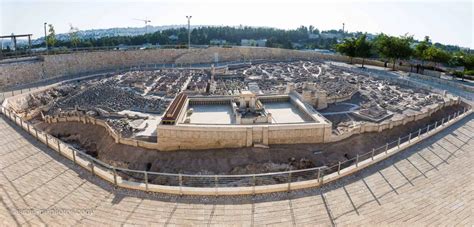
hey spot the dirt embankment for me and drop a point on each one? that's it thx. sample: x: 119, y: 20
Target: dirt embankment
x: 95, y: 140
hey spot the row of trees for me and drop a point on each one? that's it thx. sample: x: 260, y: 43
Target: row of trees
x: 279, y: 38
x: 394, y: 48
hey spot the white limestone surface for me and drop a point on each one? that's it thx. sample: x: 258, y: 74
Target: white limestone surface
x: 211, y: 114
x: 284, y: 112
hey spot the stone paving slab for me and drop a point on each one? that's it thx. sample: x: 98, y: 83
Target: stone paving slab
x: 428, y: 184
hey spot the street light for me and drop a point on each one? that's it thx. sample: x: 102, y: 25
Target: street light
x: 189, y: 31
x: 45, y: 37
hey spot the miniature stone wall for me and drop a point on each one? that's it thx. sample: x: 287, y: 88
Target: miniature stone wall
x: 443, y: 81
x: 50, y: 66
x: 231, y: 136
x: 388, y: 124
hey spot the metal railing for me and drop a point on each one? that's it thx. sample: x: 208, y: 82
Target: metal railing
x: 211, y: 182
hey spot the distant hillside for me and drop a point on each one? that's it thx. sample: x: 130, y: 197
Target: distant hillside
x: 111, y: 32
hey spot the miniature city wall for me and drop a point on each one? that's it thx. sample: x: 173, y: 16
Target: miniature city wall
x: 52, y: 66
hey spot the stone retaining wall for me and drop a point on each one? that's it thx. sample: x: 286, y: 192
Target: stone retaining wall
x: 50, y: 66
x: 388, y: 124
x: 443, y: 81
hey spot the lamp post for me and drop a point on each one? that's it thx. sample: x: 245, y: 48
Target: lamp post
x: 45, y: 37
x: 189, y: 31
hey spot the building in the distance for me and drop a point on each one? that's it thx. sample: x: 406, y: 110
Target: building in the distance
x: 253, y: 42
x: 217, y: 42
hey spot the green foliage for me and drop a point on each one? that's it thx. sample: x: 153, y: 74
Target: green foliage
x: 468, y: 61
x: 51, y: 38
x: 469, y: 72
x: 437, y: 55
x: 347, y: 47
x: 394, y: 48
x: 420, y: 49
x: 363, y: 48
x: 201, y: 36
x: 73, y: 38
x: 353, y: 47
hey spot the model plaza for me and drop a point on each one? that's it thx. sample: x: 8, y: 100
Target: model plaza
x: 248, y: 109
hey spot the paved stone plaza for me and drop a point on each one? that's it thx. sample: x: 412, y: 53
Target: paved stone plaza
x: 284, y: 112
x: 211, y: 114
x: 428, y: 184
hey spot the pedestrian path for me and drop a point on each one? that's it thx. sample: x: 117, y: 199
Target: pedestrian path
x: 431, y: 183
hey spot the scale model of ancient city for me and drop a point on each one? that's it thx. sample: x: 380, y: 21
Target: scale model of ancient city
x: 247, y: 117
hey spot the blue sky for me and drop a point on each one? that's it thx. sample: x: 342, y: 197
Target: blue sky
x: 449, y: 22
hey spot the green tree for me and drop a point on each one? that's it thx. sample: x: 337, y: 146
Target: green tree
x: 468, y: 62
x: 394, y: 48
x: 437, y: 55
x: 73, y: 37
x: 348, y: 48
x: 420, y: 49
x: 51, y: 38
x: 363, y: 48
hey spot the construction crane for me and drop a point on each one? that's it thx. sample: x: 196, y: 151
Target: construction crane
x: 146, y: 23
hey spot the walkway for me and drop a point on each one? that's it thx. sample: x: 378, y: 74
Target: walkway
x: 429, y: 184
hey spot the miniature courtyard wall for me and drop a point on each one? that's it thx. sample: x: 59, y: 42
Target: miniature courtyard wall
x: 173, y: 137
x: 205, y: 136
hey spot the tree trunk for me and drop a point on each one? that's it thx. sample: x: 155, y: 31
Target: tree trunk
x: 351, y: 60
x: 363, y: 62
x: 394, y: 62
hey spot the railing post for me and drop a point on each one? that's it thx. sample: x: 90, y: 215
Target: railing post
x: 442, y: 121
x: 92, y: 167
x: 253, y: 184
x: 357, y: 160
x: 289, y: 181
x: 319, y: 175
x: 409, y: 138
x: 146, y: 180
x: 322, y: 178
x: 428, y: 129
x: 449, y: 118
x: 386, y: 148
x: 59, y: 147
x: 28, y: 126
x: 398, y: 144
x: 47, y: 142
x: 436, y: 124
x: 373, y: 152
x: 339, y: 168
x: 73, y: 155
x: 180, y: 179
x: 216, y: 180
x: 115, y: 176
